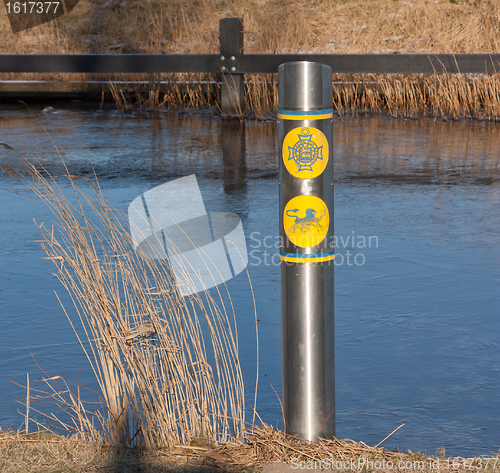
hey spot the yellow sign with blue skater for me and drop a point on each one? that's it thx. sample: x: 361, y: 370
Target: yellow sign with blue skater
x: 305, y: 152
x: 306, y: 221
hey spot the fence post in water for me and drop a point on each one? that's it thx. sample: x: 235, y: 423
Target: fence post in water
x: 233, y: 83
x: 306, y: 233
x: 234, y: 156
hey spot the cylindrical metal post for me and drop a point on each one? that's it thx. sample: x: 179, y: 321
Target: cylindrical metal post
x: 306, y: 234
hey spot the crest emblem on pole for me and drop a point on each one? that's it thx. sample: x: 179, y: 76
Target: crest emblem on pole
x: 305, y: 152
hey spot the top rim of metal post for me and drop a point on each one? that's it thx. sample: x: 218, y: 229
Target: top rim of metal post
x: 302, y: 62
x: 304, y: 85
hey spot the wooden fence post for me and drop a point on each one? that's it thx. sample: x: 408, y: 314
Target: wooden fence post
x: 233, y: 82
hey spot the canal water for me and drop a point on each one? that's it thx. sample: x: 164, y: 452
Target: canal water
x: 417, y: 276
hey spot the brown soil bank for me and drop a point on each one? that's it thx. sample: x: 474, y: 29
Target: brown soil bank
x: 287, y: 26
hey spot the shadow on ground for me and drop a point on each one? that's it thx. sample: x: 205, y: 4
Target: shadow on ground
x: 134, y: 460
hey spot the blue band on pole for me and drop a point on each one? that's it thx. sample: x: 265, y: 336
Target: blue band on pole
x: 305, y: 114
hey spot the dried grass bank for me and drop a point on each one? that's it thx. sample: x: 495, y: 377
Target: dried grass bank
x: 36, y: 453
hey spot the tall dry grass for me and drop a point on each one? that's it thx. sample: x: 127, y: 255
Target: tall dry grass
x: 273, y: 26
x: 172, y: 93
x: 167, y: 366
x: 283, y: 26
x: 452, y: 96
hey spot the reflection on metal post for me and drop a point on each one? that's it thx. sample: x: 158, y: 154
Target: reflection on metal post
x: 306, y: 231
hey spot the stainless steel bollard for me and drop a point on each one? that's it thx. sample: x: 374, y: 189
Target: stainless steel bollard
x: 306, y: 233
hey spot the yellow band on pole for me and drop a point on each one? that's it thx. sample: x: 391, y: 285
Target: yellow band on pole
x: 305, y: 117
x: 307, y: 258
x: 319, y: 259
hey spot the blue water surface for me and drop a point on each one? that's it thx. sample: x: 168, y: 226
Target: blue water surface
x: 417, y: 305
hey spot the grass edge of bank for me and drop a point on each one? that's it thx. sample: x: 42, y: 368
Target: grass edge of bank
x: 48, y: 452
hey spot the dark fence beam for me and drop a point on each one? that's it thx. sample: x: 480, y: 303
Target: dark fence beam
x: 249, y: 63
x: 375, y: 63
x: 110, y: 63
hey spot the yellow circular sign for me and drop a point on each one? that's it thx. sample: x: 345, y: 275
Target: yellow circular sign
x: 305, y: 152
x: 306, y: 220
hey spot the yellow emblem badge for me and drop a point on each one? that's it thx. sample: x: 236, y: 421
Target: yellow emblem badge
x: 306, y: 220
x: 305, y: 152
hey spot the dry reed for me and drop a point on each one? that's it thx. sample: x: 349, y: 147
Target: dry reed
x: 167, y: 366
x: 453, y: 96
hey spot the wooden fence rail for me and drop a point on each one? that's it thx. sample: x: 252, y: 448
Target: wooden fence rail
x: 250, y: 63
x: 233, y: 63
